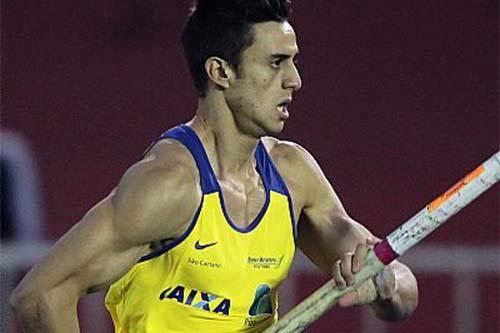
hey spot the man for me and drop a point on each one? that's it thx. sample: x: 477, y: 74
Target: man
x: 200, y: 233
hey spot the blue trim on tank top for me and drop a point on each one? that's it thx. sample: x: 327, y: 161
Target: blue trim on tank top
x: 199, y: 153
x: 272, y: 182
x: 255, y: 221
x: 209, y: 182
x: 267, y: 170
x: 188, y: 137
x: 278, y: 184
x: 265, y: 167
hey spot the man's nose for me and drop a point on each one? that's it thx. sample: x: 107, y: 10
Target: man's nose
x: 292, y: 80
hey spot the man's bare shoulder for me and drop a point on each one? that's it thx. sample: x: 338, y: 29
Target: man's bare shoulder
x: 168, y: 161
x: 158, y: 195
x: 297, y: 167
x: 288, y: 155
x: 171, y: 153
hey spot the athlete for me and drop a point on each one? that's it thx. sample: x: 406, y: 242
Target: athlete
x: 199, y: 234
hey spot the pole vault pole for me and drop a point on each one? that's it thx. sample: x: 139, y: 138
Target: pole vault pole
x: 395, y: 244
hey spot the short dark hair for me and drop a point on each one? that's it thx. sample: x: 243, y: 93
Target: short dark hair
x: 222, y: 28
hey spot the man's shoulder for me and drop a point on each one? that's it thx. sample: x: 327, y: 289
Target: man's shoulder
x: 294, y: 163
x: 297, y: 167
x: 171, y: 151
x: 160, y: 191
x: 286, y: 152
x: 168, y: 168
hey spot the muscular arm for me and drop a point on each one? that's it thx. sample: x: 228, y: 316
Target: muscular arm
x: 107, y: 242
x: 335, y: 243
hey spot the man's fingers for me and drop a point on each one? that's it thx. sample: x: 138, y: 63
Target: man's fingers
x: 337, y: 277
x: 349, y: 299
x: 346, y: 268
x: 365, y: 294
x: 361, y: 251
x: 342, y: 271
x: 373, y: 241
x: 359, y: 257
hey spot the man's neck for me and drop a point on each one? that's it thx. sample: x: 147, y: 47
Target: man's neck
x: 230, y: 151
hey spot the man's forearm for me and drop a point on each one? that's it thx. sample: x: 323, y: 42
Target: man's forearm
x: 41, y: 314
x: 399, y: 303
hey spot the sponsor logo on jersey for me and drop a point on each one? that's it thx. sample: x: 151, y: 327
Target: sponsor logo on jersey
x: 265, y: 262
x: 199, y: 246
x: 203, y: 263
x: 262, y: 306
x: 197, y: 299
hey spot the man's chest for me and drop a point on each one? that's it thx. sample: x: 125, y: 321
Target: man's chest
x: 244, y: 199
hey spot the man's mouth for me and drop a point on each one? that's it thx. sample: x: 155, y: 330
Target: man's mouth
x: 283, y: 109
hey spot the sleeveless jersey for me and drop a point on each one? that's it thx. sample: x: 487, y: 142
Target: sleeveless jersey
x: 218, y: 276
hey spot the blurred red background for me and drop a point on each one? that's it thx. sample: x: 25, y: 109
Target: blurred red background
x: 399, y: 100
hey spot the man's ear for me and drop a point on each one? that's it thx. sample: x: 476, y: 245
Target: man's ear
x: 219, y: 72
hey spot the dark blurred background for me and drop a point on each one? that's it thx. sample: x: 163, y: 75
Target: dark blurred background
x: 400, y: 99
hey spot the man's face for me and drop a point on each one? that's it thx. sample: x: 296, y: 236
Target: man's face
x: 267, y: 78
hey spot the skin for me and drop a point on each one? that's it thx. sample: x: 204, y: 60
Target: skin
x: 157, y: 197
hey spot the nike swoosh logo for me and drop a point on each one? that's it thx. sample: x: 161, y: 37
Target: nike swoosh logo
x: 199, y: 246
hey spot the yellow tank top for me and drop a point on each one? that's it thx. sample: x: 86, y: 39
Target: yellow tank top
x: 217, y: 277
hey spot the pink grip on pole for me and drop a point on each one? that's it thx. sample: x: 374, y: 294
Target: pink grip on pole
x: 384, y: 252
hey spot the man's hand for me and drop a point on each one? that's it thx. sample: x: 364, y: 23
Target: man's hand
x: 381, y: 287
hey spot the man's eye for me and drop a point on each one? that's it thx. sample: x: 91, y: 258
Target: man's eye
x: 276, y: 63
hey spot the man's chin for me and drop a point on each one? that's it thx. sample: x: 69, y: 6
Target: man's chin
x: 276, y: 129
x: 267, y: 129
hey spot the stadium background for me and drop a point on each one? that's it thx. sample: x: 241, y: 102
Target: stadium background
x: 399, y: 101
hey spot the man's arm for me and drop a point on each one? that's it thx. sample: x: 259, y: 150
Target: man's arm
x: 337, y: 245
x: 109, y: 240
